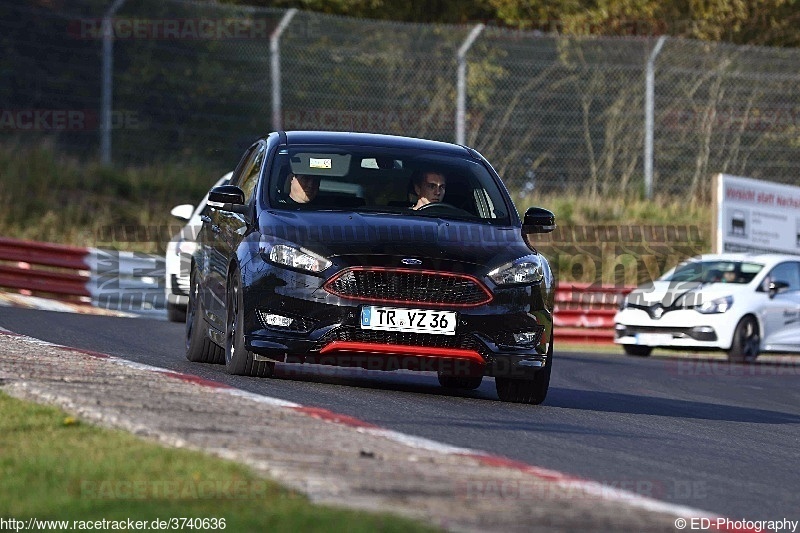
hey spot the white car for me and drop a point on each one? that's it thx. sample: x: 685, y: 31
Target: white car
x: 179, y: 252
x: 741, y: 303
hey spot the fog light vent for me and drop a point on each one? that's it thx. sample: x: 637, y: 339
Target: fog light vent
x: 526, y: 337
x: 703, y: 333
x: 271, y: 320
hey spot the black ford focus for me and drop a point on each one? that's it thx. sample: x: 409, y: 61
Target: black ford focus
x: 372, y: 251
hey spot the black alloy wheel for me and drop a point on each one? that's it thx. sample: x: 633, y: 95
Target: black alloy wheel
x: 238, y: 359
x: 746, y: 341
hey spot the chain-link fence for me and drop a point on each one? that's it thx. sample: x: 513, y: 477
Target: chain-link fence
x: 200, y: 81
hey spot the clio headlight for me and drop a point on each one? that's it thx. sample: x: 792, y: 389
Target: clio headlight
x: 719, y: 305
x: 524, y: 270
x: 186, y: 247
x: 294, y: 257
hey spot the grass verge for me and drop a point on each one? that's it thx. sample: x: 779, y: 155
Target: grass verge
x: 55, y: 467
x: 48, y: 196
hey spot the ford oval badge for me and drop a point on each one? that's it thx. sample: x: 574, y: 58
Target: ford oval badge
x: 411, y: 261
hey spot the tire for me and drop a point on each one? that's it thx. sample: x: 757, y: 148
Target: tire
x: 176, y: 313
x: 238, y: 360
x: 637, y: 350
x: 199, y: 348
x: 531, y: 391
x: 460, y: 382
x: 746, y: 341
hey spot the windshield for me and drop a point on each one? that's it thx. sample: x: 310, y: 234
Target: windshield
x: 367, y: 179
x: 715, y: 271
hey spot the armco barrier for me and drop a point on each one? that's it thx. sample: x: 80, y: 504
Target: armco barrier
x: 584, y: 312
x: 120, y: 281
x: 134, y: 282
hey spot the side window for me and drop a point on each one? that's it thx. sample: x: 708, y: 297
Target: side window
x: 250, y: 175
x: 788, y: 272
x: 247, y: 177
x: 241, y: 168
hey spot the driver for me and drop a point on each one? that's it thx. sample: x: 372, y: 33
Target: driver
x: 429, y: 187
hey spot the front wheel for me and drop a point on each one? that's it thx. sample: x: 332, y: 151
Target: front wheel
x: 746, y: 341
x: 199, y: 348
x: 637, y: 350
x: 238, y: 359
x: 532, y: 391
x: 176, y: 313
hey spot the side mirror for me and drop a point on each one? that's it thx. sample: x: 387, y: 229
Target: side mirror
x: 227, y: 198
x: 776, y: 287
x: 183, y: 211
x: 538, y: 220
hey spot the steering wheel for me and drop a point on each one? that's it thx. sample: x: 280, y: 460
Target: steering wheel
x: 445, y: 205
x: 438, y: 204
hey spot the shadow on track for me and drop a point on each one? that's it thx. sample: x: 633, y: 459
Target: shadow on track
x: 614, y: 402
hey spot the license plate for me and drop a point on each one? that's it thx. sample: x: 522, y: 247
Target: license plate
x: 653, y: 339
x: 410, y: 320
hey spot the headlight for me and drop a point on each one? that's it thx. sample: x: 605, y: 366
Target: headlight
x: 524, y: 270
x: 720, y: 305
x: 186, y: 247
x: 300, y: 258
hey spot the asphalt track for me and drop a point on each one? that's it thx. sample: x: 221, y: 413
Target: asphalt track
x: 696, y: 432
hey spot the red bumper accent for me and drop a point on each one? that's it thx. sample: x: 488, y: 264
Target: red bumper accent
x: 402, y: 350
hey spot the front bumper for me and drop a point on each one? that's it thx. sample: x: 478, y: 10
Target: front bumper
x: 177, y: 290
x: 470, y: 351
x: 483, y: 344
x: 289, y: 316
x: 677, y: 329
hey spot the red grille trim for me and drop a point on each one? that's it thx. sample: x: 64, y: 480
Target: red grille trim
x: 402, y: 350
x: 478, y: 283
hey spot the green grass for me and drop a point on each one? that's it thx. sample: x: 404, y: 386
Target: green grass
x: 682, y: 228
x: 575, y: 208
x: 51, y: 197
x: 55, y: 467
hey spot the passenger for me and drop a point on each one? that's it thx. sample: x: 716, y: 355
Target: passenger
x: 303, y: 189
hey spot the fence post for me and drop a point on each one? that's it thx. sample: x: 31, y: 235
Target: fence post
x: 275, y: 67
x: 649, y: 112
x: 461, y: 82
x: 107, y: 83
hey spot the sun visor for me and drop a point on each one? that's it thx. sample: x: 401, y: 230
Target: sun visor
x: 320, y: 164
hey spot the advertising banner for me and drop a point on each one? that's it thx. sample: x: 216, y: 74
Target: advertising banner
x: 756, y: 216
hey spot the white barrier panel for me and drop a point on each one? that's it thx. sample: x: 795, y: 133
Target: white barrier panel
x: 127, y: 281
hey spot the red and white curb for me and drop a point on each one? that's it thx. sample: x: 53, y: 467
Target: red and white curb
x: 8, y: 299
x: 562, y: 480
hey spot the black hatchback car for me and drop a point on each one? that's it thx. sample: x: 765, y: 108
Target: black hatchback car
x: 372, y: 251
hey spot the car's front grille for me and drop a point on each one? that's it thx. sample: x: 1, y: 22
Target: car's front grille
x: 409, y: 286
x: 180, y: 285
x: 355, y: 334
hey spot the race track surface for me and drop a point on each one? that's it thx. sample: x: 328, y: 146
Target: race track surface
x: 694, y: 431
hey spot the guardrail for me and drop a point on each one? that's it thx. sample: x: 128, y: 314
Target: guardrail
x: 585, y: 312
x: 109, y: 279
x: 134, y: 282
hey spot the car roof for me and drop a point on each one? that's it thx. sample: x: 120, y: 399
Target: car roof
x: 765, y: 258
x: 376, y: 140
